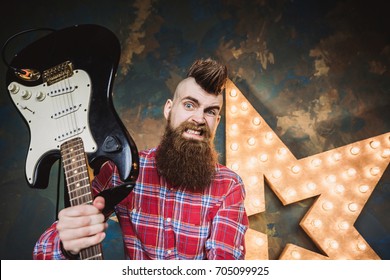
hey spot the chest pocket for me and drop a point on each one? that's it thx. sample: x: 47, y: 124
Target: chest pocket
x: 193, y: 232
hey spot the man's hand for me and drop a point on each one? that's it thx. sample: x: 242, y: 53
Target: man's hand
x: 82, y: 226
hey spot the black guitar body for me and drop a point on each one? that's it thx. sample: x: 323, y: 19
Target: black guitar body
x: 92, y: 49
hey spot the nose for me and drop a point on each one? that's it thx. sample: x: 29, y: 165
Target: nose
x: 198, y: 117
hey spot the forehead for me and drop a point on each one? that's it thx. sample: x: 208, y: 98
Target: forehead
x: 189, y: 88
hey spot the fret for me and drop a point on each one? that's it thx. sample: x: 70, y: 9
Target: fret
x: 79, y: 189
x: 82, y: 199
x: 92, y: 253
x: 77, y: 178
x: 74, y: 165
x: 74, y: 158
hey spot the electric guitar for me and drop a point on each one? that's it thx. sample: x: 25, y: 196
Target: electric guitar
x: 62, y: 85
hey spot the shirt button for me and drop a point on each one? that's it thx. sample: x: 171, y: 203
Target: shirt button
x: 134, y: 210
x: 241, y: 247
x: 169, y: 252
x: 168, y: 220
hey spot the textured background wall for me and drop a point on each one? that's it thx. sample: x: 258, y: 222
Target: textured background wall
x: 316, y: 71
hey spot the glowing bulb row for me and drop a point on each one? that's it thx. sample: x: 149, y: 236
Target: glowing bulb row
x: 343, y: 225
x: 244, y: 107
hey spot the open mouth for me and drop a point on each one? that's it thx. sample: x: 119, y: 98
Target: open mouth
x: 193, y: 133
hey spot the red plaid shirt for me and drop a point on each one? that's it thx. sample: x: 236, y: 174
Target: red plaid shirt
x: 159, y: 221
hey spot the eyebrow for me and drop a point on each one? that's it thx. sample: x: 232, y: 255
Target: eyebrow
x: 198, y: 103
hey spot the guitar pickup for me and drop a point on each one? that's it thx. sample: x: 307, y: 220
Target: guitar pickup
x: 65, y: 112
x: 69, y: 134
x: 61, y: 89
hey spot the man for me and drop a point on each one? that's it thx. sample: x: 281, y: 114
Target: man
x: 185, y: 205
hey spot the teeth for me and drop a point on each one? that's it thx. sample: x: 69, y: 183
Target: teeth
x: 193, y: 131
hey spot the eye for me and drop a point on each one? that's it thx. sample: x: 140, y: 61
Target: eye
x: 188, y: 105
x: 212, y: 112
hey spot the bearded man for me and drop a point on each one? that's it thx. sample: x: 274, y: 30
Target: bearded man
x: 185, y: 205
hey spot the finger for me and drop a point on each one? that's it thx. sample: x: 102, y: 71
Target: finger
x: 79, y: 210
x: 67, y: 222
x: 79, y: 233
x: 99, y: 202
x: 76, y: 245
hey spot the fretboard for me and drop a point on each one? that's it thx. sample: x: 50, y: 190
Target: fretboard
x: 78, y: 183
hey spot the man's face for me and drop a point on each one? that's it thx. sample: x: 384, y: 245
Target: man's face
x: 194, y: 105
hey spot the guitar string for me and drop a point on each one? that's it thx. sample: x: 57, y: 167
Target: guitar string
x: 73, y: 122
x: 94, y: 252
x: 82, y: 193
x: 63, y: 121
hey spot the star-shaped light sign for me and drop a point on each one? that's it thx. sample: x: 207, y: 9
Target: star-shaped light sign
x: 342, y: 178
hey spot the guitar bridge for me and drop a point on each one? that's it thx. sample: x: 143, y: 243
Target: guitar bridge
x: 58, y: 73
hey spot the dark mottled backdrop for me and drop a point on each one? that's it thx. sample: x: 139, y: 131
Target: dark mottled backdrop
x: 317, y: 71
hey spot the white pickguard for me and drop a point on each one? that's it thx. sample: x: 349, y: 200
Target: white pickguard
x: 55, y: 114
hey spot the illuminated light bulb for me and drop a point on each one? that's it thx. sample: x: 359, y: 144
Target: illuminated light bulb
x: 256, y: 121
x: 256, y: 202
x: 351, y: 172
x: 235, y: 166
x: 291, y: 192
x: 259, y: 241
x: 361, y: 246
x: 269, y: 136
x: 234, y: 126
x: 343, y: 225
x: 282, y: 151
x: 253, y: 160
x: 234, y: 146
x: 339, y: 189
x: 327, y: 205
x: 364, y: 188
x: 316, y: 223
x: 353, y: 207
x: 277, y: 174
x: 336, y: 156
x: 316, y: 162
x: 296, y: 169
x: 263, y: 157
x: 374, y: 171
x: 295, y: 254
x: 251, y: 141
x: 386, y: 153
x: 354, y: 150
x: 233, y: 93
x: 254, y: 180
x: 333, y: 244
x: 244, y: 106
x: 331, y: 178
x: 374, y: 144
x: 233, y: 109
x: 311, y: 186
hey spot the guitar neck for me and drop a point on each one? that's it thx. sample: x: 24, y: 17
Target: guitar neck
x: 78, y: 184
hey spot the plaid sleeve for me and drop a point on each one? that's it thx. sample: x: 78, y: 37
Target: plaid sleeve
x: 48, y: 245
x: 229, y: 226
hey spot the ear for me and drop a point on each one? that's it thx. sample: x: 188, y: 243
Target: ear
x: 218, y: 120
x: 167, y: 108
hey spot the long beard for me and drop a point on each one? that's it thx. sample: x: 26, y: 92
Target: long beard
x: 186, y: 163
